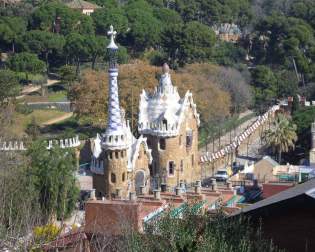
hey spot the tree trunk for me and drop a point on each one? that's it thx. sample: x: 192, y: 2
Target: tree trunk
x: 93, y: 61
x: 13, y: 47
x: 279, y: 156
x: 77, y: 71
x: 47, y: 63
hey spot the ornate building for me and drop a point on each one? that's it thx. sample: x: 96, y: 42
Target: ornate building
x: 166, y: 151
x: 120, y: 162
x: 170, y: 124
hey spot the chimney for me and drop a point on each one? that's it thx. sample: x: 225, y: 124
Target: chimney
x: 118, y: 193
x: 214, y: 184
x: 132, y: 196
x: 141, y: 190
x: 229, y: 184
x: 198, y: 187
x: 178, y: 191
x: 92, y: 194
x: 157, y: 194
x: 163, y: 187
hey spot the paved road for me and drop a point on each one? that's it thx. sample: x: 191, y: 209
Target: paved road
x: 58, y: 119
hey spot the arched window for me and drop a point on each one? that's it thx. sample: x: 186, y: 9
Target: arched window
x: 113, y: 178
x: 116, y: 154
x: 122, y: 154
x: 171, y: 168
x: 110, y: 156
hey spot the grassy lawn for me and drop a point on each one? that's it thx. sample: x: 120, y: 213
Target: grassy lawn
x: 57, y: 96
x: 56, y: 93
x: 21, y: 121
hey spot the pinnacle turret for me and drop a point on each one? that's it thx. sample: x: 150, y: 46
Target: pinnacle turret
x: 115, y: 135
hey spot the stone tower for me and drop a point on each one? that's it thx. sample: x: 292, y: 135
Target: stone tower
x: 120, y: 162
x: 170, y: 124
x: 114, y: 141
x: 312, y: 151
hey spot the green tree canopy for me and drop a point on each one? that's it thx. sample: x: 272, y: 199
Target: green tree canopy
x: 53, y: 176
x: 9, y: 86
x: 27, y: 63
x: 167, y: 16
x: 303, y: 118
x: 11, y: 28
x: 76, y: 49
x: 265, y: 87
x: 198, y: 41
x: 281, y: 136
x: 105, y: 17
x: 215, y: 11
x: 145, y: 29
x: 45, y: 16
x: 189, y: 43
x: 44, y: 44
x: 97, y: 47
x: 281, y: 39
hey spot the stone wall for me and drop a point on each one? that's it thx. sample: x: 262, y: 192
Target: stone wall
x: 116, y: 175
x: 115, y: 171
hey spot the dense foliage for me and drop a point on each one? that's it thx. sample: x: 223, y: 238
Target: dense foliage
x: 200, y: 233
x: 35, y: 189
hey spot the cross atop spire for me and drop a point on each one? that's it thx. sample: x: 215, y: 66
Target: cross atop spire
x: 112, y: 35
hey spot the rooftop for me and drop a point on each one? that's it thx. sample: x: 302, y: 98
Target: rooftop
x: 80, y: 4
x: 306, y: 188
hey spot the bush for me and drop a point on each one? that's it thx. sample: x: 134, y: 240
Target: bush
x: 44, y: 234
x: 195, y: 232
x: 23, y: 108
x: 156, y: 58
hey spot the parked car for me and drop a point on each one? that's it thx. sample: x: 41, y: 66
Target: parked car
x: 221, y: 175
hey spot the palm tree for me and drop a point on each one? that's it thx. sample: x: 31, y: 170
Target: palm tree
x: 281, y: 136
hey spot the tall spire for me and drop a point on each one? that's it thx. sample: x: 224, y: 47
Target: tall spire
x: 115, y: 135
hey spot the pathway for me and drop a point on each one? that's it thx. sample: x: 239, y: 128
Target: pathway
x: 58, y: 119
x: 31, y: 89
x: 225, y: 139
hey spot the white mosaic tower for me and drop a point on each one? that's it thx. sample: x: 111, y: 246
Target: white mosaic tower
x: 115, y: 136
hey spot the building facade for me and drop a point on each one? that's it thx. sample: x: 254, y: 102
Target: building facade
x: 170, y: 124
